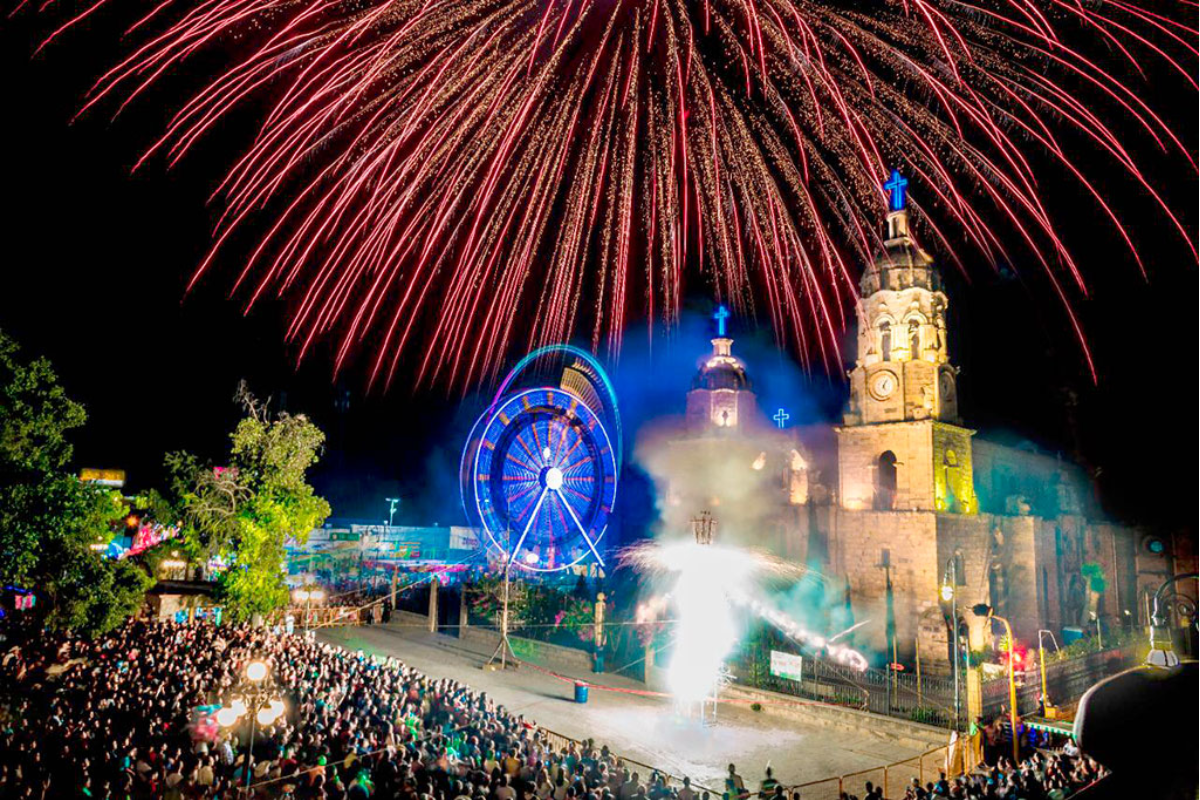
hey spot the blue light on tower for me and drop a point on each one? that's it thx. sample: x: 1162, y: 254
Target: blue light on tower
x: 720, y: 315
x: 896, y: 185
x: 781, y: 417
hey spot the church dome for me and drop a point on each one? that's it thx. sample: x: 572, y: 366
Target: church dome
x: 722, y: 370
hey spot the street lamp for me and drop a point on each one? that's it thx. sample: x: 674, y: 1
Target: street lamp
x: 308, y: 596
x: 950, y: 595
x: 254, y: 695
x: 1042, y: 662
x: 984, y: 610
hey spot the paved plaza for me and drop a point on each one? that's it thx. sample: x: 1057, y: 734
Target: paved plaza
x: 641, y: 728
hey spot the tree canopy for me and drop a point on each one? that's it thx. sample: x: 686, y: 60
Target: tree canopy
x: 49, y: 519
x: 246, y: 509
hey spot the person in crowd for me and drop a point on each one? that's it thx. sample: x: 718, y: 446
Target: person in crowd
x: 130, y: 715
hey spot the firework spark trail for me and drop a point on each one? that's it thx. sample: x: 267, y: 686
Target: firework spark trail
x: 488, y: 174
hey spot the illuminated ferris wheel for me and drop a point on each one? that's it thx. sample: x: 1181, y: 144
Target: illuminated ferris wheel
x: 540, y: 471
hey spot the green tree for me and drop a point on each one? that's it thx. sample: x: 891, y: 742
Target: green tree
x: 49, y: 519
x: 246, y: 510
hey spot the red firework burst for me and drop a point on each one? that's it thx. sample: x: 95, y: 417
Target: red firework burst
x: 476, y: 175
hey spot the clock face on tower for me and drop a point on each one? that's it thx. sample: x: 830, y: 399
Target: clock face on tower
x: 883, y: 385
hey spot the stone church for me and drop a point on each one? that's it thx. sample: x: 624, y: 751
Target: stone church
x: 910, y: 494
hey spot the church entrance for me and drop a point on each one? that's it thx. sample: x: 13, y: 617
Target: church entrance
x: 885, y: 481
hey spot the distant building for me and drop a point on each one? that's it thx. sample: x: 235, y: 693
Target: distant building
x: 343, y: 549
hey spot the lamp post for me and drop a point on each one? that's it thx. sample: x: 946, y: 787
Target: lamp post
x: 984, y: 610
x: 306, y: 596
x: 1042, y: 664
x: 950, y: 594
x: 255, y: 694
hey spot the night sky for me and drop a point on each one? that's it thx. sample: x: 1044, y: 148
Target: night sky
x: 96, y: 262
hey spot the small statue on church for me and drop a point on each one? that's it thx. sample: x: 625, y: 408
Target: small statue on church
x: 1075, y: 601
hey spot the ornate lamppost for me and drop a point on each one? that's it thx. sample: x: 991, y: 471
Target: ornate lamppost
x: 256, y: 694
x: 308, y: 596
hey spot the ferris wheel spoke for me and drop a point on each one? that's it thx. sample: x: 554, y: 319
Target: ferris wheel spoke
x: 515, y: 496
x: 536, y: 439
x: 562, y: 439
x: 528, y: 525
x: 513, y: 459
x: 534, y: 504
x: 582, y: 531
x: 575, y: 446
x: 562, y: 519
x: 585, y: 460
x: 533, y: 461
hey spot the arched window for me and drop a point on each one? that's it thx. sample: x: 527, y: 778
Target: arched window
x: 885, y: 340
x: 885, y: 481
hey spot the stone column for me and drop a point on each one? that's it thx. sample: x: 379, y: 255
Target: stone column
x: 433, y: 605
x: 464, y: 615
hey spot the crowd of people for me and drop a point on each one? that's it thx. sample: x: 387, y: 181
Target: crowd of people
x: 1053, y: 776
x: 132, y: 714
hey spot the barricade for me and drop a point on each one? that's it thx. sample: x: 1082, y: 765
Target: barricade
x: 893, y: 778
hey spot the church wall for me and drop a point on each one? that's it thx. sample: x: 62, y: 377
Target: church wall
x: 910, y: 538
x: 953, y: 465
x: 970, y: 538
x: 859, y: 449
x: 1018, y: 560
x: 1015, y: 481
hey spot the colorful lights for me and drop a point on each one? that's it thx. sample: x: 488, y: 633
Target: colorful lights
x: 895, y: 187
x: 721, y: 315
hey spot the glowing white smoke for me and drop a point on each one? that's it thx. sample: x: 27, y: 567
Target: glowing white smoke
x: 709, y: 578
x: 711, y: 581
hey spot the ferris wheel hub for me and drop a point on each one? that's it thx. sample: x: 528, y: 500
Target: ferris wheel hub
x: 552, y: 479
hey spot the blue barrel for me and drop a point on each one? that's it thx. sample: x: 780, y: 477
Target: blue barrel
x: 581, y: 691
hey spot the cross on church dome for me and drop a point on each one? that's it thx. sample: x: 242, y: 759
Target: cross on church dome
x: 895, y: 186
x: 720, y: 315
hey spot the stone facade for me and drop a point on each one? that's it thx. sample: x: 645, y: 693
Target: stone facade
x: 911, y: 495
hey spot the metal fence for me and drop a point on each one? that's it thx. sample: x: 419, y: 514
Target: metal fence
x: 1066, y: 680
x: 892, y: 778
x: 560, y: 742
x: 925, y: 699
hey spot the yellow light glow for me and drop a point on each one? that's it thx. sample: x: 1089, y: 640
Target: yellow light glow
x: 256, y: 671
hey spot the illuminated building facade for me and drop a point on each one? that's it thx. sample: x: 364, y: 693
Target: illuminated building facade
x: 909, y: 492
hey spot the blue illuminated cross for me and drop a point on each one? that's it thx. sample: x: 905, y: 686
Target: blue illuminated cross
x: 720, y: 315
x: 896, y: 187
x: 781, y: 417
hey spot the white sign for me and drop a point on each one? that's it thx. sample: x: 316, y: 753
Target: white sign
x: 787, y: 665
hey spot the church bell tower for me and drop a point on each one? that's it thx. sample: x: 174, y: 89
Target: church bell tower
x: 900, y: 446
